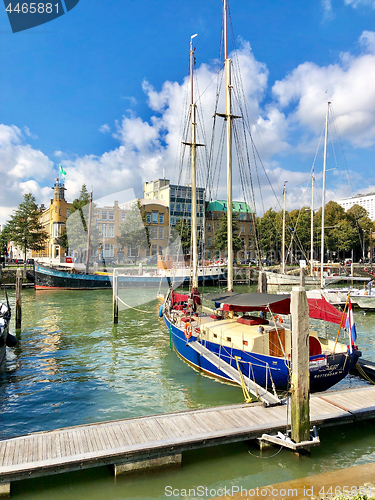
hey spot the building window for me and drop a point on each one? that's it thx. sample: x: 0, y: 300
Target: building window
x: 148, y: 218
x: 242, y: 229
x: 154, y: 217
x: 161, y: 218
x: 154, y: 249
x: 104, y: 215
x: 154, y: 233
x: 111, y: 215
x: 104, y: 230
x: 208, y: 242
x: 161, y: 233
x: 243, y: 242
x: 250, y: 229
x: 123, y: 216
x: 111, y: 230
x: 56, y: 230
x: 160, y: 250
x: 173, y: 221
x: 209, y: 227
x: 250, y: 242
x: 243, y: 216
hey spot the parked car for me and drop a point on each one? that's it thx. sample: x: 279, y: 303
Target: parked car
x: 19, y: 261
x: 30, y: 261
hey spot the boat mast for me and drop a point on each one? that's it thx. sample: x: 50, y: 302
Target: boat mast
x: 194, y: 241
x: 312, y: 227
x: 323, y: 198
x: 283, y: 236
x: 88, y: 236
x: 228, y: 117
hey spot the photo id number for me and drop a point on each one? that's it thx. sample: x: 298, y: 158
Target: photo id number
x: 33, y: 8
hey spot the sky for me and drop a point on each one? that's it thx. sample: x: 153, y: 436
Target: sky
x: 101, y: 90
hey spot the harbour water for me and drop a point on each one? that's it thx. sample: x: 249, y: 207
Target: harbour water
x: 72, y: 366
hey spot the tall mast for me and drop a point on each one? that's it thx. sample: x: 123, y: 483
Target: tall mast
x: 88, y: 236
x: 312, y: 228
x: 194, y: 241
x: 228, y: 117
x: 323, y: 198
x: 283, y: 235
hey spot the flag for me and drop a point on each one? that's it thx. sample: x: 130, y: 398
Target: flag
x: 350, y: 325
x: 62, y: 171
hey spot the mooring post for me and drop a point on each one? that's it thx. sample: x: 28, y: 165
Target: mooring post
x: 262, y: 282
x: 115, y: 296
x: 19, y: 274
x: 300, y: 379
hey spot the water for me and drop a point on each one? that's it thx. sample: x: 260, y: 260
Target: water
x: 72, y: 366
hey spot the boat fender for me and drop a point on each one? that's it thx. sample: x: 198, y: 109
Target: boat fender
x: 11, y: 340
x: 188, y: 330
x: 278, y: 318
x: 161, y: 311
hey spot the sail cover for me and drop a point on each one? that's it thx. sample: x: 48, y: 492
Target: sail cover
x: 320, y: 308
x: 247, y: 302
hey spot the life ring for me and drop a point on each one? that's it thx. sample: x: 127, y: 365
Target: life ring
x: 188, y: 330
x: 278, y: 318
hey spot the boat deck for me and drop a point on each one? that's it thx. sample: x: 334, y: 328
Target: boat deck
x: 145, y: 438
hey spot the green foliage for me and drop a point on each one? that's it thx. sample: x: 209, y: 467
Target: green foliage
x: 77, y: 224
x: 184, y: 232
x: 269, y: 230
x: 221, y: 237
x: 133, y: 232
x: 343, y: 231
x: 24, y: 228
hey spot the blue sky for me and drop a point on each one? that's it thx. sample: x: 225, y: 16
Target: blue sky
x: 100, y: 90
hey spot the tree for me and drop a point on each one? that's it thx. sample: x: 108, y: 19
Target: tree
x: 133, y: 232
x: 77, y: 224
x: 269, y: 233
x: 221, y: 237
x: 184, y: 232
x: 362, y: 225
x: 24, y: 228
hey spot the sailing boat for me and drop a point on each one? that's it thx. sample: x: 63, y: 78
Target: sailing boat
x: 229, y: 342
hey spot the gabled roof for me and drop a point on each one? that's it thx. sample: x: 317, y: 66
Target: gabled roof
x: 222, y: 205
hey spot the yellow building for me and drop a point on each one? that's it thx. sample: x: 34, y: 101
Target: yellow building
x: 53, y: 220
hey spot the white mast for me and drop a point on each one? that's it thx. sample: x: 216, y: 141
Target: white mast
x: 312, y: 228
x: 323, y: 198
x: 194, y: 240
x: 283, y: 235
x: 228, y: 117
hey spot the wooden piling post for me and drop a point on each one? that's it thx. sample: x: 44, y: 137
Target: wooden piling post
x: 115, y: 296
x: 262, y: 282
x: 19, y: 275
x: 300, y: 378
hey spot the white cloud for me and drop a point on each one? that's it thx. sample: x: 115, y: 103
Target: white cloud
x: 359, y: 3
x: 105, y: 128
x: 303, y: 92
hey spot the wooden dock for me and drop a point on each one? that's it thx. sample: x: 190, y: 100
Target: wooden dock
x: 124, y: 442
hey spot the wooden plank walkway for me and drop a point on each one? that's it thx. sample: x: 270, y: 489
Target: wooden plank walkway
x: 130, y: 440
